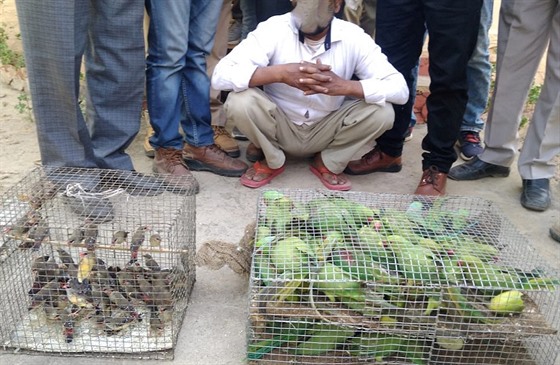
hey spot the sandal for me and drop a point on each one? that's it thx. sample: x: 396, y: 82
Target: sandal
x: 259, y: 168
x: 319, y: 169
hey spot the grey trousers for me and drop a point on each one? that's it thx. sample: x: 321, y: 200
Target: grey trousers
x: 526, y: 28
x: 339, y: 136
x: 56, y: 36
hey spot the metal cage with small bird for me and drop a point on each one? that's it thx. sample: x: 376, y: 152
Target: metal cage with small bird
x: 95, y: 262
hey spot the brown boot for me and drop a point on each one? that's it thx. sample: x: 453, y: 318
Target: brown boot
x: 212, y: 158
x: 169, y: 163
x: 432, y: 183
x: 148, y: 149
x: 374, y: 161
x: 223, y: 139
x: 253, y: 153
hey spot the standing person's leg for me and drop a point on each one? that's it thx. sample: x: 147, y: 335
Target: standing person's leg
x: 479, y: 70
x: 249, y: 21
x: 115, y: 78
x: 518, y: 59
x: 167, y: 48
x: 53, y: 63
x: 199, y: 151
x: 268, y: 8
x: 368, y: 18
x: 542, y: 141
x: 452, y: 31
x: 222, y: 138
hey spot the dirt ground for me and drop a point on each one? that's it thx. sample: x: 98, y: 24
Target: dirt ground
x: 214, y: 330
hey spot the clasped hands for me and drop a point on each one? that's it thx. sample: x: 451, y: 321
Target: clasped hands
x: 314, y: 78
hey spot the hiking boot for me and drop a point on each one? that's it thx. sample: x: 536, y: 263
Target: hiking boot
x: 212, y: 158
x: 148, y: 149
x: 432, y: 182
x: 374, y: 161
x: 469, y: 145
x: 169, y: 163
x: 223, y: 139
x: 253, y: 153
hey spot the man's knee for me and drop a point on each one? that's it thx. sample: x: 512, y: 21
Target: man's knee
x: 386, y: 115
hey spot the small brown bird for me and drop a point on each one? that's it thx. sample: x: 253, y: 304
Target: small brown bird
x: 90, y: 230
x: 155, y: 240
x: 117, y: 298
x: 150, y: 263
x: 119, y: 237
x: 77, y: 236
x: 136, y: 241
x: 41, y: 235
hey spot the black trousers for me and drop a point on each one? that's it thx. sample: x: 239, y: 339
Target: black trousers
x: 452, y: 27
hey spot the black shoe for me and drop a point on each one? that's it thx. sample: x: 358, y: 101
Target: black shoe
x: 93, y: 208
x: 536, y: 194
x: 477, y: 169
x: 64, y: 177
x: 134, y: 182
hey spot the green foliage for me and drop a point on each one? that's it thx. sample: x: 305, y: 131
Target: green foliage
x: 24, y: 105
x: 534, y: 93
x: 7, y: 55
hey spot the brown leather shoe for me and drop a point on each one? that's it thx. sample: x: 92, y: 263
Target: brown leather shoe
x: 223, y: 139
x: 212, y: 158
x: 432, y: 183
x: 374, y: 161
x: 253, y: 153
x: 169, y: 163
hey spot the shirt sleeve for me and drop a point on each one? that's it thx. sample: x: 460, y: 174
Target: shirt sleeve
x: 235, y: 70
x: 381, y: 82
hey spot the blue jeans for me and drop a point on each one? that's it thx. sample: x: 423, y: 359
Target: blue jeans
x: 180, y: 35
x: 479, y: 72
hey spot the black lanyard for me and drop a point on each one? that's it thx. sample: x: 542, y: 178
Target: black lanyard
x: 327, y: 42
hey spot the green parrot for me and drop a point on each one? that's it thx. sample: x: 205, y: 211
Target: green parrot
x: 414, y: 262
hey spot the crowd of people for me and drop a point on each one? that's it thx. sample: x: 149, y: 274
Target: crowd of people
x: 307, y: 78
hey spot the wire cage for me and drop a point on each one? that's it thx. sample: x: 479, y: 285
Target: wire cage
x: 355, y: 278
x: 96, y: 263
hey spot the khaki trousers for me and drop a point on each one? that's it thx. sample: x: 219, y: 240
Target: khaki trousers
x: 339, y: 136
x: 218, y: 52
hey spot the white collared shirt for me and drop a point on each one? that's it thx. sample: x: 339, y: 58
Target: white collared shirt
x: 276, y: 41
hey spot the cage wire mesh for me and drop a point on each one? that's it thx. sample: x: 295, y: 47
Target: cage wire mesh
x: 354, y: 278
x: 96, y: 262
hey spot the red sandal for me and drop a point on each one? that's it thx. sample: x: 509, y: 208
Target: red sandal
x: 260, y: 168
x: 318, y: 168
